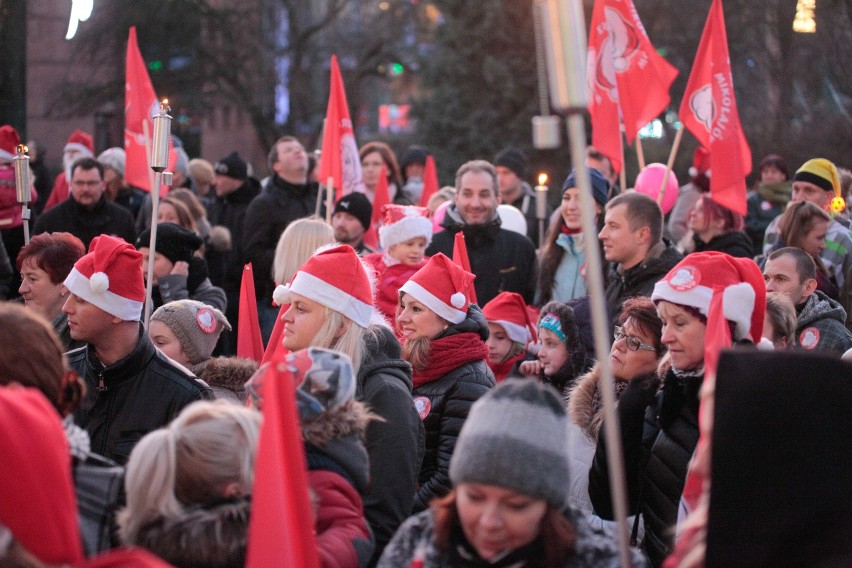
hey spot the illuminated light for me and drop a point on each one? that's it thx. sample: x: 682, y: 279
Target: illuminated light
x: 384, y: 6
x: 156, y: 65
x: 838, y: 205
x: 542, y: 179
x: 804, y: 22
x: 396, y: 69
x: 80, y: 12
x: 652, y: 130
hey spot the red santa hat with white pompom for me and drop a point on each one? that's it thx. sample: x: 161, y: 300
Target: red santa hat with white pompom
x: 443, y: 287
x: 110, y: 277
x: 403, y: 223
x: 335, y: 278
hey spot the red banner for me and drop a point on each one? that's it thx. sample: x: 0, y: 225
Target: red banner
x: 339, y: 159
x: 140, y: 104
x: 430, y: 181
x: 249, y: 340
x: 709, y: 111
x: 603, y: 90
x: 281, y: 530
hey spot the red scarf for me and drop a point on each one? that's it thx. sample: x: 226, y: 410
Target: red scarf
x: 502, y: 369
x: 448, y: 353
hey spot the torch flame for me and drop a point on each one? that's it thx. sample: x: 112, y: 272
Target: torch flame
x: 542, y: 179
x: 22, y: 149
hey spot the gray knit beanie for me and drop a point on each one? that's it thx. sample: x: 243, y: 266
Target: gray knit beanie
x: 196, y: 325
x: 516, y: 437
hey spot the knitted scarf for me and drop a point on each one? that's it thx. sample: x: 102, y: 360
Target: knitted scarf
x: 451, y: 352
x: 777, y: 193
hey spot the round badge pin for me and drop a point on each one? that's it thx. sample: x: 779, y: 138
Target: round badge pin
x: 206, y: 320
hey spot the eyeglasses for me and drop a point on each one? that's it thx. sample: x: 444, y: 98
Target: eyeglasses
x: 632, y: 343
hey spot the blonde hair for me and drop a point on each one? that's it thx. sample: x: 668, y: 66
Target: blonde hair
x: 297, y: 244
x: 210, y: 445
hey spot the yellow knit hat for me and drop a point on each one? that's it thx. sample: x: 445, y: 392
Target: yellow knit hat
x: 823, y: 173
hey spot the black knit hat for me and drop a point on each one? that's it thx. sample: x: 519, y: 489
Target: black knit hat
x: 358, y: 205
x: 516, y: 437
x: 232, y: 166
x: 173, y: 241
x: 600, y: 185
x: 414, y: 155
x: 513, y: 159
x: 776, y: 161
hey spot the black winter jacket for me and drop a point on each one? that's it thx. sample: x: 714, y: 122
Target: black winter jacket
x: 395, y: 445
x: 278, y: 205
x: 138, y: 394
x: 659, y: 434
x: 105, y: 219
x: 449, y: 400
x: 226, y: 268
x: 735, y: 243
x: 639, y: 280
x: 502, y: 260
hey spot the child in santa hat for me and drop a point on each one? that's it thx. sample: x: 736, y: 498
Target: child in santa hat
x: 509, y: 332
x: 406, y: 233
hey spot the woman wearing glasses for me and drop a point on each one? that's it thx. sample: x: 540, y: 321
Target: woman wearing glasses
x: 635, y: 353
x: 707, y: 302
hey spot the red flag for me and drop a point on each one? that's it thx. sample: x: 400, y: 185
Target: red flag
x: 709, y: 111
x: 281, y: 532
x: 340, y: 160
x: 249, y: 340
x: 430, y: 181
x: 460, y: 257
x: 275, y: 349
x: 140, y: 104
x: 603, y: 89
x: 642, y: 75
x: 380, y: 199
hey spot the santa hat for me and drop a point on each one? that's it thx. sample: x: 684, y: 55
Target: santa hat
x: 443, y: 287
x: 509, y: 310
x: 37, y: 501
x: 403, y: 223
x: 9, y: 140
x: 722, y: 288
x: 110, y: 277
x: 700, y: 162
x: 81, y: 142
x: 336, y: 279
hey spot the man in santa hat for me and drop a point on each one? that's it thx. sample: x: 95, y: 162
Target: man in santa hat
x: 132, y: 387
x: 80, y: 145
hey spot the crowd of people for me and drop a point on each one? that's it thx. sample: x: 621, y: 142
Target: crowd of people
x: 448, y: 389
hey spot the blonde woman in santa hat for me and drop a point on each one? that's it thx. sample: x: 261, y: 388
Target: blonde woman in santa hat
x: 509, y: 332
x: 444, y: 340
x: 331, y: 306
x: 403, y: 238
x: 189, y: 486
x: 707, y: 302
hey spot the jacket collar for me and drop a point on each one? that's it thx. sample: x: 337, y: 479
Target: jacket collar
x: 126, y: 368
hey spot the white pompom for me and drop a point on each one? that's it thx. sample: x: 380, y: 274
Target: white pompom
x: 99, y: 282
x: 458, y: 300
x: 281, y: 295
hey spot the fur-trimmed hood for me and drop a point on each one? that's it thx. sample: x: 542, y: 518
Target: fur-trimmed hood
x: 584, y: 401
x: 206, y: 537
x: 227, y: 376
x: 338, y: 434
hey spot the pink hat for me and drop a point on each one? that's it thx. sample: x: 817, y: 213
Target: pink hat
x: 37, y: 501
x: 443, y: 287
x: 110, y: 277
x: 509, y: 310
x: 81, y: 142
x: 336, y: 279
x: 9, y: 139
x: 403, y: 223
x: 696, y: 279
